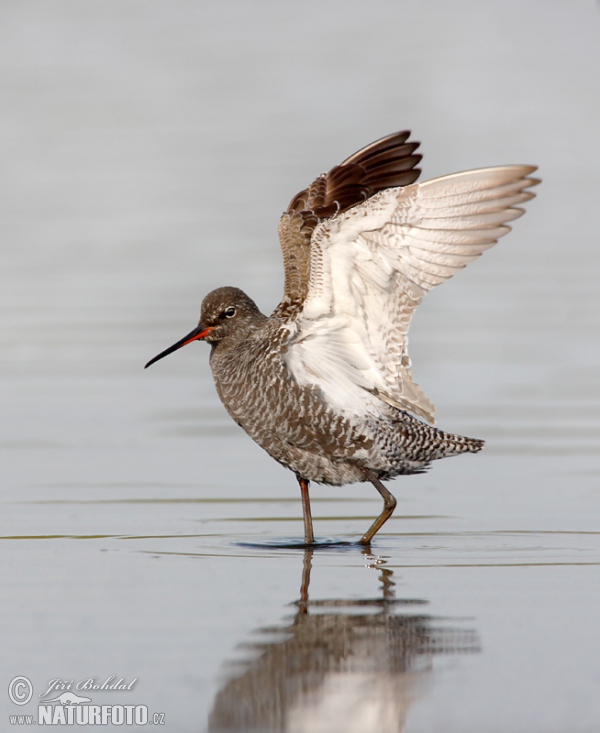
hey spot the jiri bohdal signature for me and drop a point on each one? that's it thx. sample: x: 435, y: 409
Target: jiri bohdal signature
x: 91, y: 683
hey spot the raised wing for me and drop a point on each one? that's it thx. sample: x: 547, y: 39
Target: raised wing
x: 371, y: 266
x: 385, y: 163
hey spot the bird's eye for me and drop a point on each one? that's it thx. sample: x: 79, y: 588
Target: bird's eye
x: 230, y: 312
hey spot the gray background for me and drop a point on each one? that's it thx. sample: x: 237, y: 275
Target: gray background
x: 147, y: 150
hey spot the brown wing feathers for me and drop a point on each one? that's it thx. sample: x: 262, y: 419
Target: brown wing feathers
x: 385, y: 163
x: 295, y: 230
x: 388, y: 162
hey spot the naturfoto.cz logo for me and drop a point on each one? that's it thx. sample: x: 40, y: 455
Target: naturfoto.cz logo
x: 70, y: 708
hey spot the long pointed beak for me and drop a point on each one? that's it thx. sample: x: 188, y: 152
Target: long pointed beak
x: 196, y: 335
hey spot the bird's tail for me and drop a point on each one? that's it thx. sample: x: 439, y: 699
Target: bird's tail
x: 422, y: 442
x: 452, y: 445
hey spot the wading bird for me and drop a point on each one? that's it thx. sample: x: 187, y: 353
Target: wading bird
x: 323, y: 384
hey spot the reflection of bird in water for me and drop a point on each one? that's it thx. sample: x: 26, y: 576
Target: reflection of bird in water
x: 324, y: 384
x: 337, y: 665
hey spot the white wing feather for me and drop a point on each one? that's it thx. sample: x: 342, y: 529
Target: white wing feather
x: 371, y: 267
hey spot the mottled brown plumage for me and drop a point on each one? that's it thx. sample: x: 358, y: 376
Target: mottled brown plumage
x: 324, y: 385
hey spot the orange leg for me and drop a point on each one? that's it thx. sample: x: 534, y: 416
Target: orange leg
x: 309, y: 537
x: 389, y: 504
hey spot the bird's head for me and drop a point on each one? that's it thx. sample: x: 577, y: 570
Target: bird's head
x: 227, y: 316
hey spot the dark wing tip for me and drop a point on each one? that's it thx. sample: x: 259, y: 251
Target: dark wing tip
x: 385, y: 163
x: 374, y: 149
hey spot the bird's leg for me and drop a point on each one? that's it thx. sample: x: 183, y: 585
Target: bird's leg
x: 389, y: 504
x: 309, y: 537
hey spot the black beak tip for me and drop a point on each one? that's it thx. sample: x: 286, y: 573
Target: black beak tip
x: 157, y: 358
x: 197, y: 333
